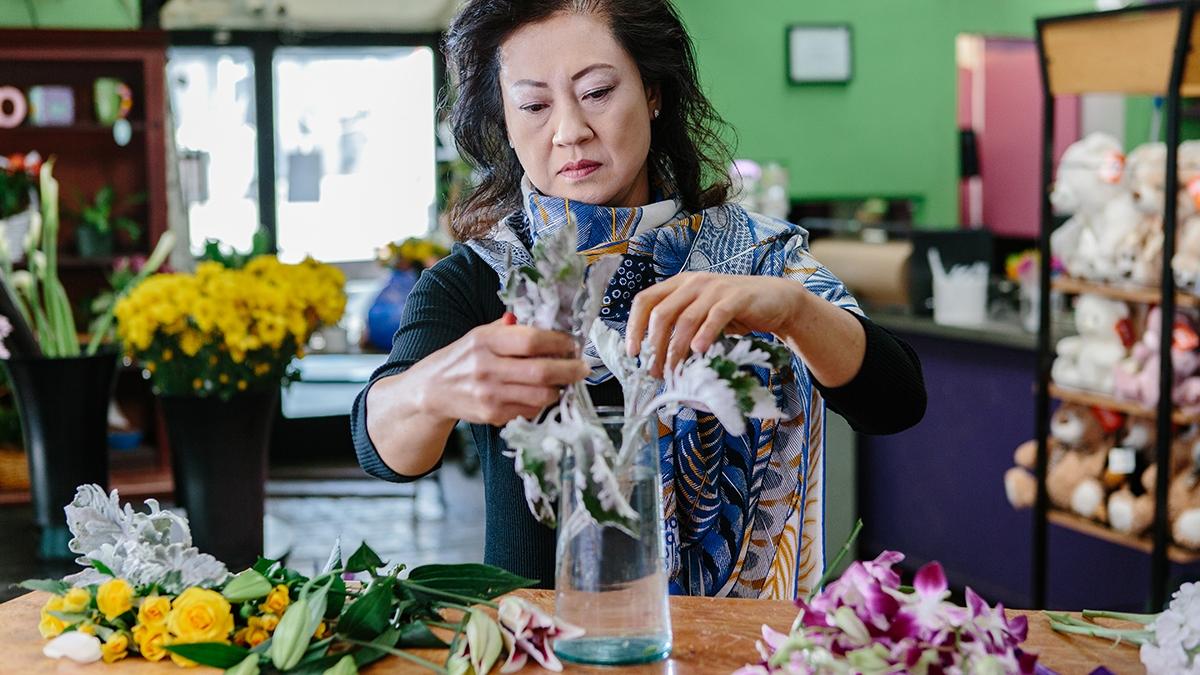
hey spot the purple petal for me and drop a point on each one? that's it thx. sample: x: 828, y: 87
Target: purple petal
x: 930, y: 580
x: 975, y: 603
x: 1019, y: 627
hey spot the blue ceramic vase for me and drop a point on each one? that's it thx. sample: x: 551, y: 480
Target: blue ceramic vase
x: 383, y: 318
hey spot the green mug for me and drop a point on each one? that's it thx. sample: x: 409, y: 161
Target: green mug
x: 113, y: 100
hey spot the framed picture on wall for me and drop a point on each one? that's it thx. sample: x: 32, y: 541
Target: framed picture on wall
x: 819, y: 53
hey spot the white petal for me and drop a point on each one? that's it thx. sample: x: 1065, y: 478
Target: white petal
x: 77, y: 646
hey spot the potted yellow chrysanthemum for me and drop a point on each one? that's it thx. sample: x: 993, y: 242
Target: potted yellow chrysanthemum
x: 216, y: 344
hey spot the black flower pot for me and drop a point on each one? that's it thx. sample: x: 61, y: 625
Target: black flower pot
x: 63, y: 404
x: 94, y: 244
x: 219, y: 458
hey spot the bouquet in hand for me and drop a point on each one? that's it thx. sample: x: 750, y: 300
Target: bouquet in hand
x: 560, y: 291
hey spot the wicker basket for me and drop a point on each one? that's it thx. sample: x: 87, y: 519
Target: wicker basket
x: 14, y: 469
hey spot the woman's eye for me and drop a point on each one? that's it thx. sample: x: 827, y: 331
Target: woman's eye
x: 598, y: 94
x: 534, y: 107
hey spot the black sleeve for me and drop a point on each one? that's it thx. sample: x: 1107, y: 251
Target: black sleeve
x: 887, y: 395
x: 448, y: 300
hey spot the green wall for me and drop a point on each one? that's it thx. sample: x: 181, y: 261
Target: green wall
x: 71, y: 13
x: 891, y: 130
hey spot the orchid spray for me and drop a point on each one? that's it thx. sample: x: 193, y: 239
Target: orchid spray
x: 561, y: 291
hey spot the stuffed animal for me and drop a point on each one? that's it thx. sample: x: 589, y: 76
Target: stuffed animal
x: 1140, y: 256
x: 1186, y: 263
x: 1131, y: 509
x: 1087, y: 360
x: 1125, y: 460
x: 1183, y: 505
x: 1089, y: 178
x: 1076, y: 431
x: 1136, y: 377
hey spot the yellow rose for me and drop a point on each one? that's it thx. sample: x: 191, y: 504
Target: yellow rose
x: 89, y: 628
x: 151, y: 640
x: 76, y: 600
x: 154, y: 610
x: 277, y: 601
x: 115, y: 648
x: 52, y: 626
x: 200, y: 615
x: 252, y: 635
x: 269, y: 622
x: 114, y: 598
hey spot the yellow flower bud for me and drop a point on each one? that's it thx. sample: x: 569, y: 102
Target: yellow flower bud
x: 277, y: 601
x: 151, y: 641
x: 115, y: 648
x: 114, y: 598
x: 76, y: 600
x: 52, y: 626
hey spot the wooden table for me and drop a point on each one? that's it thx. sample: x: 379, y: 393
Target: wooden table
x: 711, y: 636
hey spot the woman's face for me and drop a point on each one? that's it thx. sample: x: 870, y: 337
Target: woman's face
x: 577, y: 112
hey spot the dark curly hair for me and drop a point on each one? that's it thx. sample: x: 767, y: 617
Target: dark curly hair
x: 686, y: 148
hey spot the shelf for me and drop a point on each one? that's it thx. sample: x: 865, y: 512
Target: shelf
x: 1126, y: 51
x: 132, y: 486
x: 1126, y: 292
x: 1176, y: 554
x: 1090, y: 398
x: 80, y: 128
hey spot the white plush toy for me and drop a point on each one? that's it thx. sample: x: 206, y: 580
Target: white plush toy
x: 1186, y: 263
x: 1086, y: 360
x: 1088, y: 181
x: 1140, y: 256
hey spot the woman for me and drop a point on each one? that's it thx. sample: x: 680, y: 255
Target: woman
x: 594, y: 107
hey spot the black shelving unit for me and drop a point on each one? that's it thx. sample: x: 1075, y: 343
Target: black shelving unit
x: 1143, y: 50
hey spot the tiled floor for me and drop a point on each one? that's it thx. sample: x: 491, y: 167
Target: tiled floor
x: 428, y: 521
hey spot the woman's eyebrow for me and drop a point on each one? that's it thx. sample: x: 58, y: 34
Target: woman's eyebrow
x: 576, y: 76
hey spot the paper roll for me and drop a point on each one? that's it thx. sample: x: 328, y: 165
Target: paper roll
x: 877, y: 274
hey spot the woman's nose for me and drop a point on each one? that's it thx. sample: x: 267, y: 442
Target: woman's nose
x: 573, y: 127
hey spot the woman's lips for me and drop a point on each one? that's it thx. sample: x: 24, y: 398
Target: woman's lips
x: 578, y: 170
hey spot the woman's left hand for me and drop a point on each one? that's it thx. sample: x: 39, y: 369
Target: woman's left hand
x: 689, y: 311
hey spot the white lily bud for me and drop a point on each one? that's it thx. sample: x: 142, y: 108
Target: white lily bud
x: 34, y: 235
x: 75, y: 645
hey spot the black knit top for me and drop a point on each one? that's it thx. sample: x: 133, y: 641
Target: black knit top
x: 459, y: 294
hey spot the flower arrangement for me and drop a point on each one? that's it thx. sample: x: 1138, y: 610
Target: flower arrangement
x: 221, y: 331
x: 1022, y: 267
x: 1170, y: 639
x: 561, y: 291
x: 413, y: 253
x: 34, y: 300
x: 146, y: 591
x: 18, y: 182
x: 866, y: 622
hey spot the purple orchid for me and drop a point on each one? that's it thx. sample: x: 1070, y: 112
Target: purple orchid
x: 866, y: 623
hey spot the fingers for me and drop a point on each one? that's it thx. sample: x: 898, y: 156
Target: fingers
x: 511, y: 340
x: 639, y: 313
x: 536, y: 371
x: 717, y: 321
x: 663, y: 319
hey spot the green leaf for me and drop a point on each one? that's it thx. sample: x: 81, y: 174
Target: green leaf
x: 364, y: 560
x: 367, y: 656
x: 368, y: 616
x: 213, y: 654
x: 68, y: 617
x: 417, y: 635
x: 246, y: 586
x: 317, y: 666
x: 473, y: 579
x: 55, y: 586
x: 264, y: 565
x: 337, y: 598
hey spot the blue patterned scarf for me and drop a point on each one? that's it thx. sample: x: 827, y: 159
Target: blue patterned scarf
x: 744, y: 514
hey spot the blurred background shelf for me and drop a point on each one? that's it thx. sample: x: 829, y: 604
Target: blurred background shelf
x: 1175, y: 553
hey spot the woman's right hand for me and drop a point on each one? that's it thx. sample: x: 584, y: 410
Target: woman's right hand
x: 496, y: 373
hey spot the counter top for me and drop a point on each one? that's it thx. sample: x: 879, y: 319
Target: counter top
x: 711, y: 636
x: 996, y: 333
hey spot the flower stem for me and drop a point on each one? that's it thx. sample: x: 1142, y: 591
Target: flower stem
x: 401, y: 653
x: 829, y: 569
x: 1144, y: 619
x: 441, y: 624
x: 1064, y: 623
x: 449, y: 594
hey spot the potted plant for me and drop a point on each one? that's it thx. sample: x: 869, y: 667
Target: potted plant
x: 62, y: 388
x: 405, y: 260
x: 216, y: 344
x: 97, y: 224
x: 18, y: 200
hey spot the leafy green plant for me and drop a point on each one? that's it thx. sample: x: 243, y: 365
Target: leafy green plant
x: 18, y: 179
x: 98, y: 215
x: 231, y: 257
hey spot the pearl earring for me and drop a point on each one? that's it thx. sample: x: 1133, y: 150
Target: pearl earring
x: 656, y: 113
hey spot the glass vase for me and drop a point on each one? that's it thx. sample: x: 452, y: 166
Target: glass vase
x: 609, y: 581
